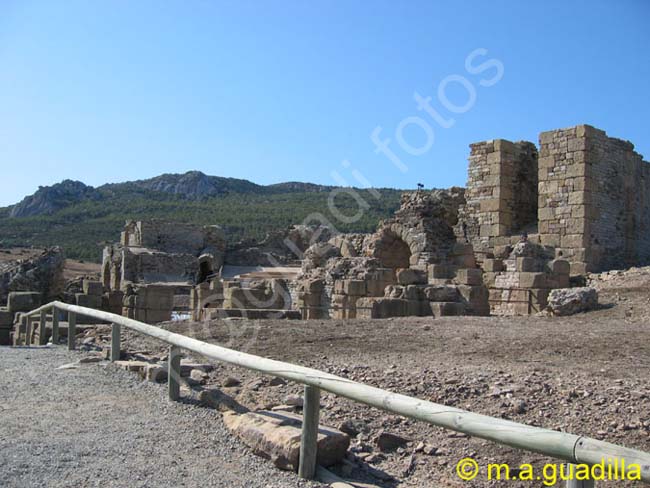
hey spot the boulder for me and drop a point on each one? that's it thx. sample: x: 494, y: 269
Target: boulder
x: 568, y: 301
x: 276, y: 436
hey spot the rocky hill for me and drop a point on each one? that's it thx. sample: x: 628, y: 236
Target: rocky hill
x: 49, y: 199
x: 82, y: 219
x: 193, y: 185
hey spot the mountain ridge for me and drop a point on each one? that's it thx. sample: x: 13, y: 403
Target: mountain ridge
x: 191, y: 185
x: 82, y: 219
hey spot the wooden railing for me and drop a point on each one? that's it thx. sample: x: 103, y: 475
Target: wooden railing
x: 572, y: 448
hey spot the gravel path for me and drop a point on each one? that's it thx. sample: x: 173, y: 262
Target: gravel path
x: 96, y: 425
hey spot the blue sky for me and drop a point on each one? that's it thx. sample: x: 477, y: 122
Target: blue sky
x: 271, y: 91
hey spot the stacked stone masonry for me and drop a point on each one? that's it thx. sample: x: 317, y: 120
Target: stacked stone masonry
x: 592, y: 197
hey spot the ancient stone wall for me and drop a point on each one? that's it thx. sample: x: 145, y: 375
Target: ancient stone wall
x: 154, y: 251
x: 173, y: 237
x: 501, y: 194
x: 594, y: 199
x: 145, y: 266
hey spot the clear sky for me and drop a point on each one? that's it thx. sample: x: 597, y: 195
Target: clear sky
x: 271, y: 91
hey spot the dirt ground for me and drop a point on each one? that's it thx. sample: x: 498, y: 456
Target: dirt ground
x: 73, y: 269
x: 586, y: 374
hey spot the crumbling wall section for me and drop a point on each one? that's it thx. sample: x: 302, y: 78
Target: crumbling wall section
x: 501, y: 193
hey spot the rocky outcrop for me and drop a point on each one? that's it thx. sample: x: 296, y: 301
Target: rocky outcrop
x: 43, y: 273
x: 49, y: 199
x: 568, y: 301
x: 195, y: 185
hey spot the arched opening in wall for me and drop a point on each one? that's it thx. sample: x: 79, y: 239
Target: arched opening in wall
x: 392, y: 251
x: 205, y: 269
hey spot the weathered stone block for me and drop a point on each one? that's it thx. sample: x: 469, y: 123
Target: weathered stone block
x: 493, y: 265
x: 153, y: 316
x: 276, y: 436
x: 375, y: 288
x: 491, y: 205
x: 5, y: 337
x: 527, y: 264
x: 532, y: 280
x: 354, y: 287
x: 578, y: 268
x: 417, y: 308
x: 413, y: 292
x: 573, y: 241
x: 314, y: 286
x: 91, y: 287
x: 6, y: 318
x: 443, y: 309
x: 552, y: 240
x: 560, y: 267
x: 339, y: 287
x: 490, y: 278
x: 23, y: 301
x: 411, y: 276
x: 502, y: 251
x: 90, y: 301
x: 442, y: 293
x: 469, y: 276
x: 379, y: 308
x: 476, y: 298
x: 438, y: 271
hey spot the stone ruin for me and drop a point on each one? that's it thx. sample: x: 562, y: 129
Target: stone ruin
x: 27, y: 281
x: 153, y: 268
x: 532, y: 221
x: 529, y: 222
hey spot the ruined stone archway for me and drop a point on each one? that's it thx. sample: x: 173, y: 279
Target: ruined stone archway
x: 206, y: 269
x: 391, y: 250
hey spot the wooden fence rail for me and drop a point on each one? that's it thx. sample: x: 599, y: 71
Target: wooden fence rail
x: 560, y: 445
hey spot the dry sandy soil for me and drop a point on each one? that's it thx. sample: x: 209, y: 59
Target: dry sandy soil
x: 586, y: 374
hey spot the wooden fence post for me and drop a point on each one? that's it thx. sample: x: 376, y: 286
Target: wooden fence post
x: 72, y: 330
x: 578, y: 483
x: 115, y: 342
x: 55, y: 326
x: 309, y: 438
x: 174, y: 373
x: 42, y: 325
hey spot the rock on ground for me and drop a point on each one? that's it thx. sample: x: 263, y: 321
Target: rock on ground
x: 568, y: 301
